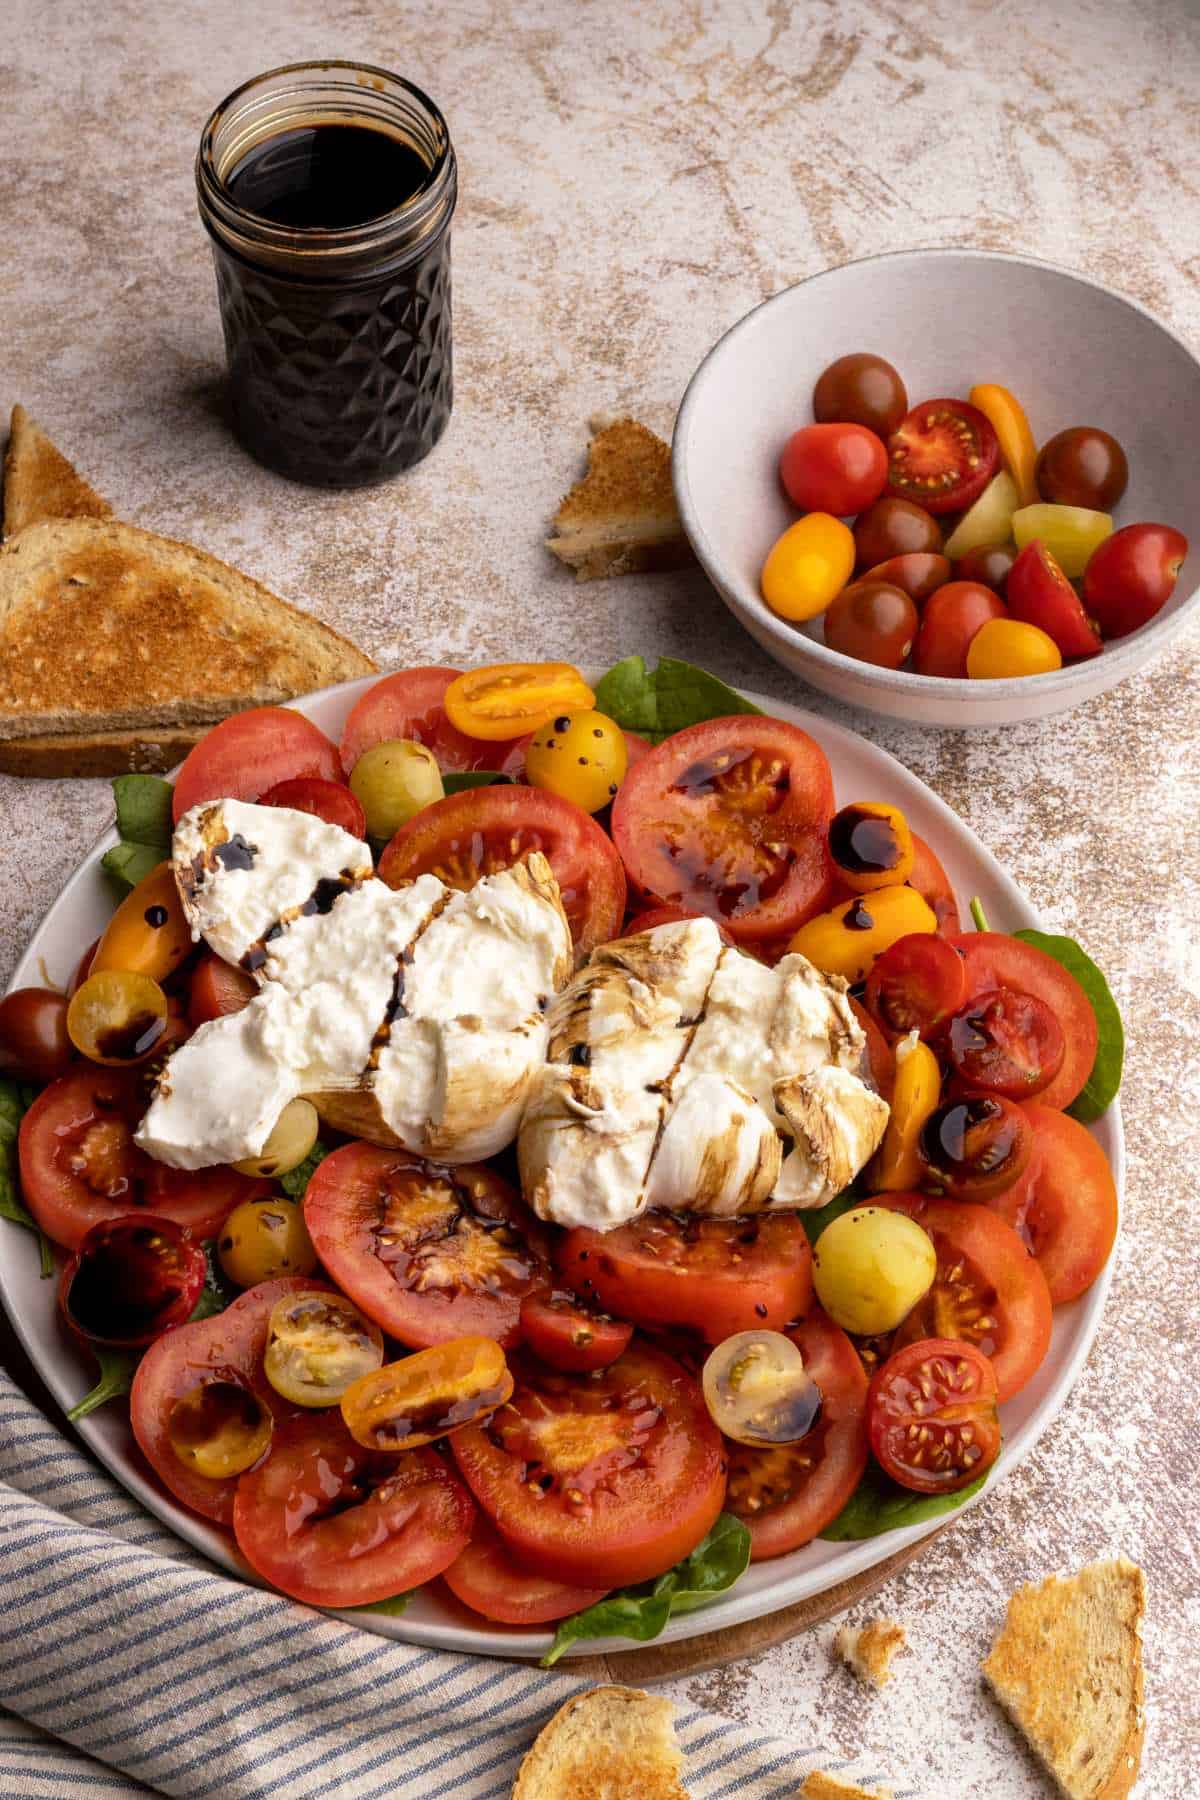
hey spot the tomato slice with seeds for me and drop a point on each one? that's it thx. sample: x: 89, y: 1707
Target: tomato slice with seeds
x: 599, y: 1479
x: 915, y: 985
x: 988, y: 1290
x: 730, y: 818
x: 932, y: 1416
x: 475, y: 833
x: 429, y: 1253
x: 993, y: 960
x: 1065, y: 1207
x: 243, y: 756
x: 486, y: 1578
x: 942, y: 455
x: 789, y: 1493
x: 569, y: 1336
x: 409, y: 705
x: 714, y: 1276
x: 333, y: 1524
x: 1005, y: 1043
x: 80, y: 1166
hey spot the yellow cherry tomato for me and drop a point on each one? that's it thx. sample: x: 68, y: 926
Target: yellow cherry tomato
x: 808, y: 566
x: 871, y: 1267
x: 427, y: 1395
x: 292, y: 1137
x: 847, y: 940
x: 148, y: 934
x: 264, y: 1238
x: 581, y: 756
x: 871, y: 845
x: 219, y: 1428
x: 317, y: 1345
x: 1005, y: 647
x: 117, y: 1017
x: 507, y: 700
x: 1007, y: 418
x: 915, y: 1096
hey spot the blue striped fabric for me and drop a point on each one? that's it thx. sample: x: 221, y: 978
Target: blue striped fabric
x: 128, y: 1666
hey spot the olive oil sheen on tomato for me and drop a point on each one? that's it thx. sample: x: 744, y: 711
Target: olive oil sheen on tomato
x: 327, y: 177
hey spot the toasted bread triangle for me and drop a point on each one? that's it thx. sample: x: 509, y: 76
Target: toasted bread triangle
x: 39, y: 482
x: 621, y: 519
x: 612, y: 1743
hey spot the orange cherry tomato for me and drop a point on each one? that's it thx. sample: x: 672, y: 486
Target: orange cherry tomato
x: 808, y: 566
x: 148, y: 934
x: 871, y: 845
x: 507, y: 700
x: 1006, y: 416
x: 427, y: 1395
x: 1005, y: 647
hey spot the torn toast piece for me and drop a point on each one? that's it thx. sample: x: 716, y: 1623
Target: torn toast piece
x: 39, y: 482
x: 869, y: 1650
x: 612, y: 1743
x: 621, y: 519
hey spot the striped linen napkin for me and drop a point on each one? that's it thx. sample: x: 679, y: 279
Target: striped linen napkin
x: 129, y: 1666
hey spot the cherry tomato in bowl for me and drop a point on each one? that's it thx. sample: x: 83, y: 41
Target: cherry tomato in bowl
x: 919, y: 572
x: 1132, y: 575
x: 874, y: 622
x: 933, y: 1417
x: 942, y: 455
x: 130, y: 1280
x: 833, y: 468
x: 989, y: 564
x: 950, y: 620
x: 1082, y: 466
x: 1038, y: 593
x: 893, y: 528
x: 860, y: 389
x: 244, y: 756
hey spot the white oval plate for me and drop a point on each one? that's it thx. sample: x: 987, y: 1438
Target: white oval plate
x: 860, y: 770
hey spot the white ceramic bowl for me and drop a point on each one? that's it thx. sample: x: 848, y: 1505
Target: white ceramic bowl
x: 1074, y: 352
x: 859, y: 767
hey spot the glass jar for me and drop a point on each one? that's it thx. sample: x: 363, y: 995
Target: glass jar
x: 327, y: 189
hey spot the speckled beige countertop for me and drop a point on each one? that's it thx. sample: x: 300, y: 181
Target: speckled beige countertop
x: 633, y: 179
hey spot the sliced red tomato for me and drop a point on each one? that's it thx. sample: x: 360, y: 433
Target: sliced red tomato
x: 666, y: 915
x: 789, y: 1493
x: 217, y: 988
x: 569, y: 1336
x: 81, y: 1167
x: 244, y: 756
x: 714, y: 1276
x: 932, y: 1415
x: 227, y: 1347
x: 328, y: 800
x: 429, y: 1253
x: 988, y: 1289
x: 333, y: 1524
x: 475, y: 833
x: 1065, y: 1207
x: 600, y: 1479
x: 635, y: 748
x: 881, y: 1058
x: 942, y: 455
x: 933, y: 884
x: 730, y: 818
x: 993, y: 960
x: 409, y: 705
x: 485, y: 1577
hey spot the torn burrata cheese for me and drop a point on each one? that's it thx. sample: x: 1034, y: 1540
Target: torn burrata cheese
x: 683, y: 1074
x: 414, y: 1017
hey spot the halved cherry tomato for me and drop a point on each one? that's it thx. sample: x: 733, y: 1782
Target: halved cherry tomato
x: 942, y: 455
x: 715, y: 1276
x: 509, y: 700
x: 993, y: 960
x: 918, y: 572
x: 950, y: 620
x: 328, y: 800
x: 988, y: 1289
x: 130, y: 1280
x: 666, y: 915
x: 974, y: 1146
x: 881, y: 1058
x: 485, y: 1577
x: 429, y: 1253
x: 569, y: 1336
x: 427, y: 1395
x: 1132, y: 575
x: 871, y: 845
x: 916, y: 985
x: 932, y: 1415
x: 1005, y: 1043
x: 730, y: 818
x: 34, y: 1043
x: 475, y: 833
x: 217, y: 988
x: 834, y: 468
x: 148, y: 934
x: 1007, y: 418
x: 1038, y: 593
x: 934, y: 886
x: 605, y: 1478
x: 333, y: 1524
x: 243, y: 756
x: 789, y: 1493
x: 117, y: 1017
x: 409, y: 706
x: 81, y: 1167
x: 1065, y: 1208
x: 227, y: 1347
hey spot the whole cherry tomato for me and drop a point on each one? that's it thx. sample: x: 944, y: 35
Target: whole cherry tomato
x: 837, y: 469
x: 874, y: 622
x: 919, y: 573
x: 1132, y: 576
x: 895, y: 528
x: 989, y: 564
x: 1006, y: 647
x: 949, y: 621
x: 862, y: 390
x: 806, y: 566
x: 34, y: 1045
x: 1083, y: 466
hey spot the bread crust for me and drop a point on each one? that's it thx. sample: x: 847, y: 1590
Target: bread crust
x: 149, y: 752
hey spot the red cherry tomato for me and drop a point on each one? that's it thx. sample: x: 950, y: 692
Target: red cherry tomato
x: 990, y: 563
x: 569, y: 1336
x: 1038, y: 593
x: 1065, y: 1206
x: 949, y: 620
x: 1005, y: 1043
x: 130, y: 1280
x: 942, y: 455
x: 861, y: 389
x: 635, y: 748
x: 601, y: 1479
x: 666, y: 915
x: 243, y: 756
x: 974, y: 1146
x: 1131, y: 576
x: 333, y: 1524
x: 481, y: 830
x: 838, y: 469
x: 919, y: 573
x: 893, y: 528
x: 485, y: 1578
x: 729, y: 818
x: 915, y: 985
x: 933, y: 884
x: 409, y: 705
x: 881, y: 1058
x: 34, y: 1045
x: 217, y: 988
x: 993, y: 960
x: 328, y: 800
x: 787, y: 1494
x: 80, y: 1166
x: 872, y: 621
x: 714, y: 1276
x: 1082, y: 466
x: 82, y: 969
x: 932, y: 1415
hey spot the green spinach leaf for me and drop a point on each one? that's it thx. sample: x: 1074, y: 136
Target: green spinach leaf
x: 15, y: 1099
x: 143, y: 805
x: 217, y: 1292
x: 455, y: 781
x: 116, y: 1378
x: 717, y: 1562
x: 394, y: 1604
x: 880, y: 1504
x: 297, y: 1179
x: 1100, y: 1088
x: 654, y: 703
x: 816, y: 1218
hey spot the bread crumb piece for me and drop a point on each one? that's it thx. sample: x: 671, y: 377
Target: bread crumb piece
x: 870, y: 1649
x: 819, y: 1786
